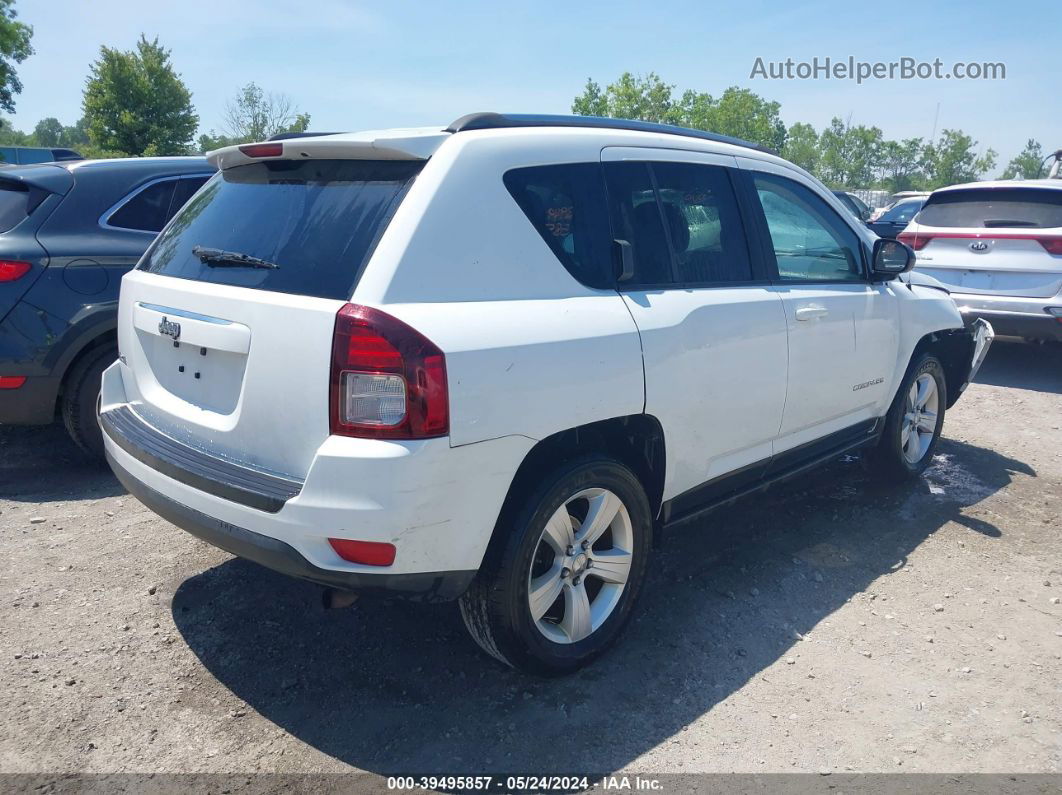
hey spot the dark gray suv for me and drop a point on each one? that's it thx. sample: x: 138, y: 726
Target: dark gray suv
x: 68, y: 233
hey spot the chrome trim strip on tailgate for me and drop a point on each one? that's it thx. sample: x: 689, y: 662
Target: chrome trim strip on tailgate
x: 245, y: 485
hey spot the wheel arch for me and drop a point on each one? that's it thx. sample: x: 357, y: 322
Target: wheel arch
x: 636, y: 441
x: 954, y: 348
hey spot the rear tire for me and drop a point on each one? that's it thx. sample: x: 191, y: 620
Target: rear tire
x: 557, y: 589
x: 82, y: 388
x: 913, y: 424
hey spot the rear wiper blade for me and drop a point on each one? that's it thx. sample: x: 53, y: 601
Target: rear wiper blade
x: 216, y: 257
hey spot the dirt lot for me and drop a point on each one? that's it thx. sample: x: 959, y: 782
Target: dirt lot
x: 832, y: 625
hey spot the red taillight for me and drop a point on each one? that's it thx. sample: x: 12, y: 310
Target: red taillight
x: 11, y: 269
x: 263, y: 150
x: 914, y: 239
x: 388, y: 380
x: 369, y: 553
x: 1052, y: 244
x: 12, y: 381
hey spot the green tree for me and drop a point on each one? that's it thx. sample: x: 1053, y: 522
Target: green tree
x: 254, y: 115
x: 802, y: 147
x: 136, y: 104
x: 48, y: 132
x: 14, y: 48
x: 1027, y: 164
x: 738, y: 112
x: 645, y: 98
x: 900, y: 164
x: 9, y: 136
x: 952, y: 160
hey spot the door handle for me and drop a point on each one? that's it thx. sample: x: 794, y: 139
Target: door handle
x: 811, y: 312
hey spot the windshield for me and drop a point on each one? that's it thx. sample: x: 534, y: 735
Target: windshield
x: 994, y: 207
x: 318, y: 221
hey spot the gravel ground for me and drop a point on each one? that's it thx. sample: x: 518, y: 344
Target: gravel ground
x: 831, y: 625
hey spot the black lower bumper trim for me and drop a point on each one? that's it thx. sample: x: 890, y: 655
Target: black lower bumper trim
x: 225, y: 479
x: 279, y: 556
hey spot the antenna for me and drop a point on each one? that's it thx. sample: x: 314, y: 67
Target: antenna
x: 936, y: 116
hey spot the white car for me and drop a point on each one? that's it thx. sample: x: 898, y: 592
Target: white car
x: 491, y: 362
x: 997, y: 246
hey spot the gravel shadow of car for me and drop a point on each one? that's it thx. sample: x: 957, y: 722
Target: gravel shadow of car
x: 42, y: 464
x: 395, y: 688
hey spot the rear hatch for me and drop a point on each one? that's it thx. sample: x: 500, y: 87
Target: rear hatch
x: 993, y: 240
x: 27, y: 195
x: 226, y: 324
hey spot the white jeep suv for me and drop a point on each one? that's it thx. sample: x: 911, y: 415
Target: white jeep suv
x: 490, y: 362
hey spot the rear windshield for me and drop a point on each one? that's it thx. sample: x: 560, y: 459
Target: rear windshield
x: 994, y: 207
x: 14, y: 205
x: 316, y: 221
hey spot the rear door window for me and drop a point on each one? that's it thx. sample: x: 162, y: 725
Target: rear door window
x: 703, y: 222
x: 566, y: 205
x: 637, y: 220
x: 1036, y: 208
x: 317, y: 221
x: 146, y: 210
x: 14, y: 205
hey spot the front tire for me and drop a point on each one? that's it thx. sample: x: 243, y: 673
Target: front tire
x: 555, y: 592
x: 913, y: 424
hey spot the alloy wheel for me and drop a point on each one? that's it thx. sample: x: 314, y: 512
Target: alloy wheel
x: 919, y: 423
x: 581, y: 565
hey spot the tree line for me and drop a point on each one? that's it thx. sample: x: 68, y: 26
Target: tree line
x: 842, y: 155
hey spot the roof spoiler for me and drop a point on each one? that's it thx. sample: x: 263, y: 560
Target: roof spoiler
x: 41, y: 177
x: 495, y: 121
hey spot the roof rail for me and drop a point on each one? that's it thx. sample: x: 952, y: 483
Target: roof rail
x: 286, y: 136
x: 495, y: 121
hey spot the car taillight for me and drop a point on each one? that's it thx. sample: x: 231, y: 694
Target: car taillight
x: 12, y: 269
x: 263, y: 150
x: 12, y: 381
x: 1052, y: 244
x: 388, y: 380
x: 914, y: 239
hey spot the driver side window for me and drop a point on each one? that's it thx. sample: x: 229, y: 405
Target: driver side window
x: 810, y: 241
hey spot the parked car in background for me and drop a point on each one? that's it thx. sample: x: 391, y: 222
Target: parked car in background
x: 855, y: 205
x: 894, y: 199
x: 895, y: 219
x: 998, y: 247
x: 28, y: 155
x: 68, y: 232
x: 489, y: 362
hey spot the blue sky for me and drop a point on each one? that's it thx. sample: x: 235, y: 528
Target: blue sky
x: 355, y: 65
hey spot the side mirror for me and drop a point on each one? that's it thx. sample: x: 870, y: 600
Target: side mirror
x: 626, y: 261
x: 891, y: 258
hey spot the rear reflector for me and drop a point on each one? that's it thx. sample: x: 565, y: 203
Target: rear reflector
x: 263, y: 150
x: 12, y: 381
x: 11, y: 269
x: 369, y: 553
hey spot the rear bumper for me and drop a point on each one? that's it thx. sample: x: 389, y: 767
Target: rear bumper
x: 33, y: 403
x: 282, y: 557
x: 416, y: 495
x: 1013, y: 317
